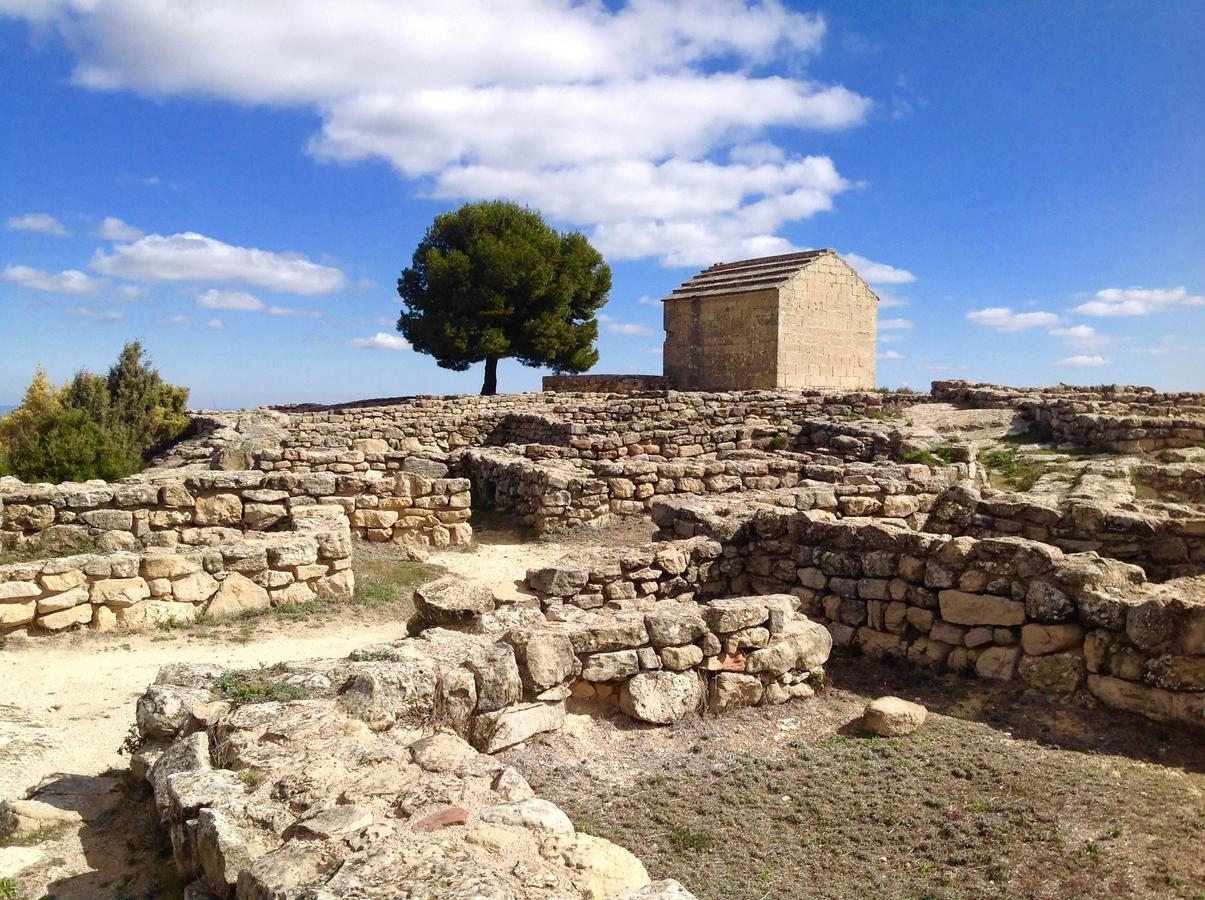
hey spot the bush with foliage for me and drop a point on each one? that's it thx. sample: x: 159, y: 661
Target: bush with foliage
x: 95, y: 426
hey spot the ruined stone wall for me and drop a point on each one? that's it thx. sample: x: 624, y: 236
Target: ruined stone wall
x: 205, y: 508
x: 176, y: 585
x: 552, y: 494
x: 606, y: 384
x: 827, y: 323
x: 599, y: 426
x: 1119, y: 418
x: 1165, y: 541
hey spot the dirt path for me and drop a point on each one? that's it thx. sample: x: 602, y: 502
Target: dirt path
x: 69, y: 703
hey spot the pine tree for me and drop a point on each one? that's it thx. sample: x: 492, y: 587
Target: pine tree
x: 493, y: 281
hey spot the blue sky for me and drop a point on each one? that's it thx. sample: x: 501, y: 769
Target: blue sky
x: 239, y: 187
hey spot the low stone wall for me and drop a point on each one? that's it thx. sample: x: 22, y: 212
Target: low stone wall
x: 202, y: 508
x: 1001, y: 608
x: 549, y: 494
x: 140, y: 590
x: 596, y: 426
x: 606, y: 384
x: 1165, y: 541
x: 1118, y: 418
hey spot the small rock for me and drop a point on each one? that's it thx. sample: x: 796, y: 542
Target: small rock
x: 893, y: 717
x: 445, y: 818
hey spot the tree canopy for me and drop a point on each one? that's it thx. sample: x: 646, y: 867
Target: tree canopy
x: 492, y: 281
x: 95, y: 426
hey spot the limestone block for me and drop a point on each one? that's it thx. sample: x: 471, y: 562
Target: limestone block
x: 237, y: 593
x: 1037, y: 640
x: 197, y: 587
x: 998, y: 663
x: 219, y: 509
x: 727, y: 616
x: 120, y: 592
x: 610, y: 666
x: 1055, y: 673
x: 65, y: 600
x: 19, y: 590
x: 63, y: 581
x: 496, y: 731
x: 732, y: 690
x: 962, y: 608
x: 66, y: 618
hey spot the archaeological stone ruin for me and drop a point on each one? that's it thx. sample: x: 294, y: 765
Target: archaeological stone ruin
x: 796, y: 531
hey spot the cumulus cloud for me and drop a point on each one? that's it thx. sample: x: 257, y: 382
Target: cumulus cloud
x: 1084, y: 361
x: 69, y: 281
x: 878, y: 273
x: 1137, y: 301
x: 194, y: 257
x: 891, y: 355
x: 43, y: 223
x: 215, y: 324
x: 179, y: 320
x: 1002, y: 318
x: 240, y: 300
x: 133, y: 291
x: 672, y: 107
x: 894, y: 324
x: 1083, y: 337
x: 380, y: 341
x: 98, y: 315
x: 113, y: 229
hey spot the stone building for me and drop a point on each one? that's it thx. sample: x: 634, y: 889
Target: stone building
x: 800, y: 320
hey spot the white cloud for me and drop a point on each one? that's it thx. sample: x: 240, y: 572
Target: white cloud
x: 133, y: 291
x: 891, y: 354
x: 1083, y: 337
x: 889, y: 300
x: 890, y: 338
x: 99, y: 315
x: 215, y: 324
x: 194, y: 257
x: 878, y: 273
x: 671, y: 106
x: 43, y: 223
x: 381, y: 341
x: 179, y: 320
x: 1137, y: 301
x: 1167, y: 344
x: 295, y: 313
x: 113, y: 229
x: 240, y: 300
x: 1084, y: 361
x: 646, y: 300
x: 630, y: 328
x: 894, y: 324
x: 69, y: 281
x: 1002, y: 318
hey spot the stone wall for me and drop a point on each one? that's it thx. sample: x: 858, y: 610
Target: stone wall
x: 596, y: 426
x: 1165, y: 541
x: 1123, y: 419
x: 606, y: 384
x: 204, y: 508
x: 551, y: 494
x: 176, y: 585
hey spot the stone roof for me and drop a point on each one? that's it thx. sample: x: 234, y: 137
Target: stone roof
x: 746, y: 275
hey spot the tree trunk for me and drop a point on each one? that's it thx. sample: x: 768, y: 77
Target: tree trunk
x: 490, y: 386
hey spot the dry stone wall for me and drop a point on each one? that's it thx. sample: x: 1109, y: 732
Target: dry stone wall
x: 1073, y: 625
x: 176, y: 585
x: 1165, y: 541
x: 205, y: 508
x: 1118, y: 418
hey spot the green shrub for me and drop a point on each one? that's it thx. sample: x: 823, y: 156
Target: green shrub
x: 94, y: 426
